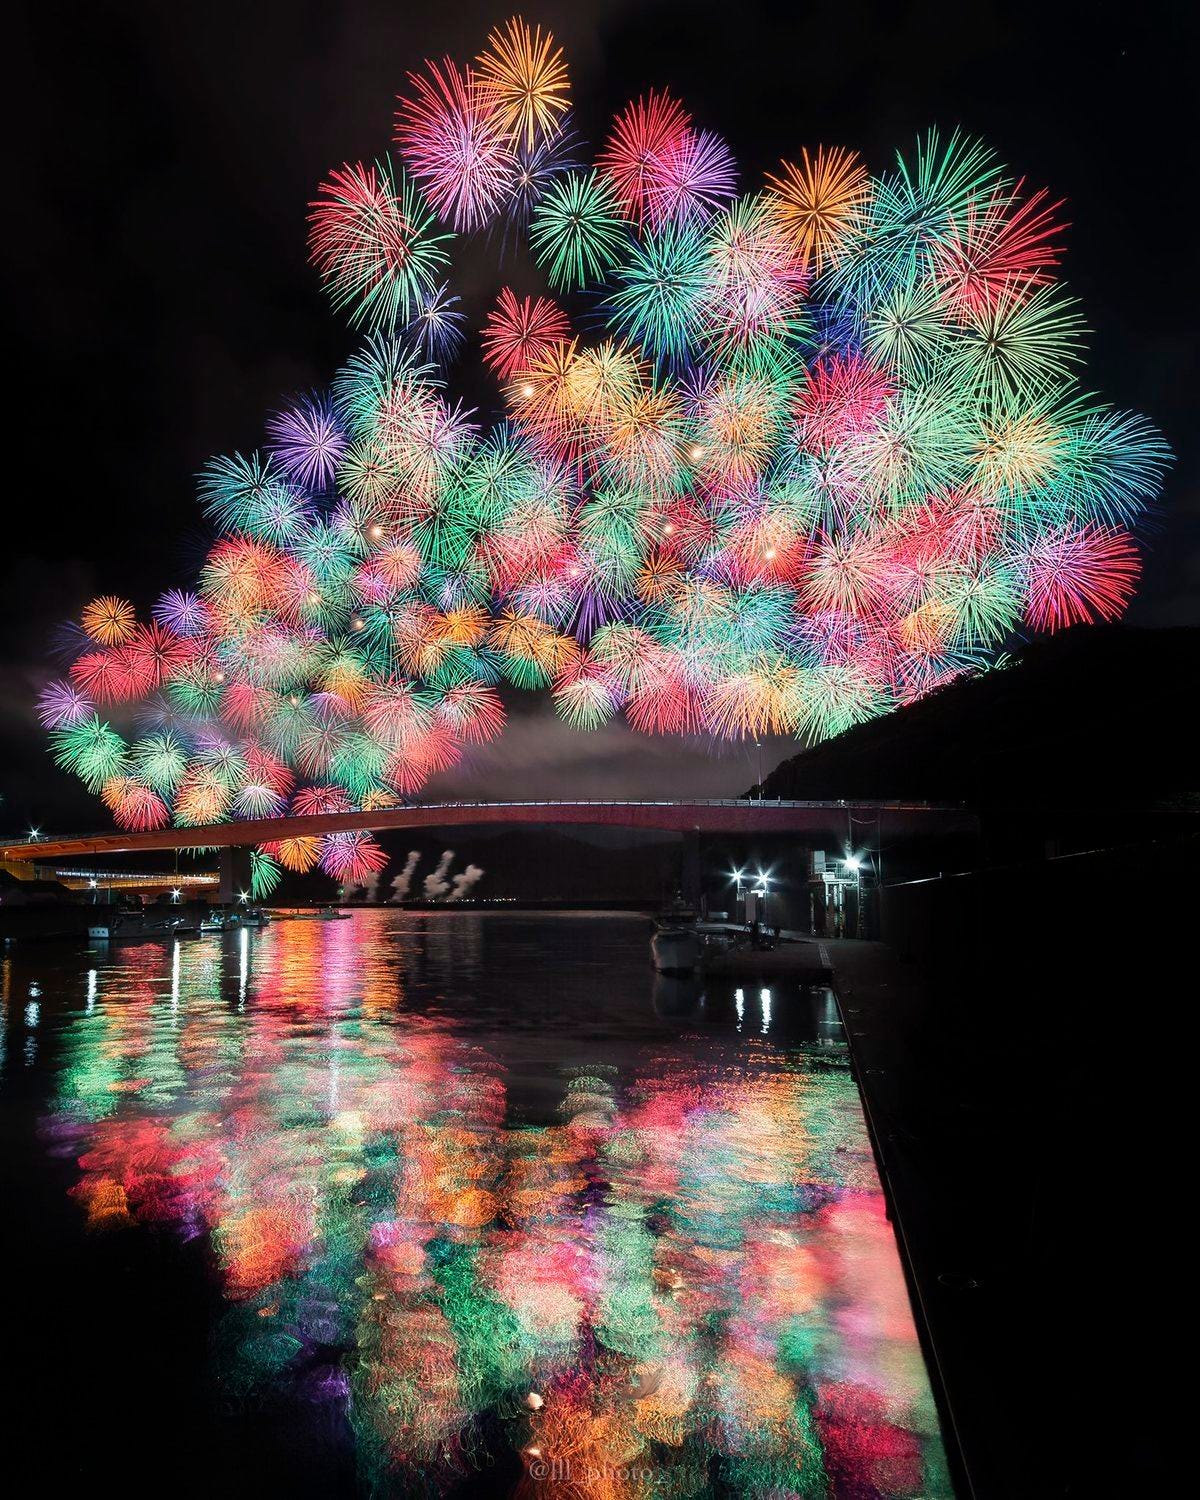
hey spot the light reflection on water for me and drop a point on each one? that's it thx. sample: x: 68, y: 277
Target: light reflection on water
x: 484, y: 1199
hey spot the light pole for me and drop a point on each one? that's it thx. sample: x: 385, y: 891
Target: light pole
x: 737, y: 876
x: 853, y: 863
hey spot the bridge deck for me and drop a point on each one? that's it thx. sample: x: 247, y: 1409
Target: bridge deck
x: 852, y: 821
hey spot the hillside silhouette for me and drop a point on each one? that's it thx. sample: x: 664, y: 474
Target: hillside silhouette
x: 1094, y: 716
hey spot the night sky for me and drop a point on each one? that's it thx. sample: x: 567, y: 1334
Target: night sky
x: 161, y: 157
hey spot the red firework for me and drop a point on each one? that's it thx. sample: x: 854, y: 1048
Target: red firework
x: 843, y: 395
x: 1001, y: 244
x: 268, y: 770
x: 1077, y: 577
x: 243, y: 705
x: 518, y: 334
x: 159, y: 652
x: 320, y: 799
x: 645, y: 137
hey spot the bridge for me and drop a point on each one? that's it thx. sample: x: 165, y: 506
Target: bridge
x: 830, y: 821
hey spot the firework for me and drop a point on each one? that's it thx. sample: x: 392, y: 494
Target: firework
x: 519, y: 334
x: 370, y: 239
x: 799, y: 456
x: 528, y: 81
x: 437, y: 329
x: 577, y: 231
x: 536, y: 168
x: 453, y: 136
x: 1077, y: 577
x: 109, y: 620
x: 817, y: 202
x: 308, y: 442
x: 664, y: 286
x: 646, y: 136
x: 63, y: 704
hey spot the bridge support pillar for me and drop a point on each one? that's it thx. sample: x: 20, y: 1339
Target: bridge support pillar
x: 235, y: 875
x: 690, y: 882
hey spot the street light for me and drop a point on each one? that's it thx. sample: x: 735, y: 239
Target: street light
x: 175, y: 893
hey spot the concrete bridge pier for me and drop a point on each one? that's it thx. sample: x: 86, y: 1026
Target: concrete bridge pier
x: 691, y: 883
x: 235, y: 875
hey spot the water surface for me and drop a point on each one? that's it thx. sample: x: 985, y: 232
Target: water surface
x: 448, y: 1204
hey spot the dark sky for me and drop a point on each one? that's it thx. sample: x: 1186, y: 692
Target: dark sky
x: 161, y: 157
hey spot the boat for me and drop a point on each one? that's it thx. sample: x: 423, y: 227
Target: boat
x: 230, y: 921
x: 325, y: 914
x: 123, y: 926
x: 676, y: 949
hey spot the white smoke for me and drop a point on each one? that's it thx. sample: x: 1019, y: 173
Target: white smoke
x: 436, y: 885
x: 471, y: 876
x: 402, y: 882
x: 360, y: 890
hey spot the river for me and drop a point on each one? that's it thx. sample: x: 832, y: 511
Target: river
x: 445, y: 1204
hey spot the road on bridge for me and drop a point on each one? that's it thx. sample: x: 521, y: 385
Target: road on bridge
x: 832, y: 821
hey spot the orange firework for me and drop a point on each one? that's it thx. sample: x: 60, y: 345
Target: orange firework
x: 110, y: 620
x: 816, y: 202
x: 528, y: 80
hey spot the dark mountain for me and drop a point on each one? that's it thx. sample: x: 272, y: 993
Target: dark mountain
x: 1091, y: 717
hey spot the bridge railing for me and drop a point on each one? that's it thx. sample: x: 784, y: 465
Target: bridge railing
x: 882, y: 805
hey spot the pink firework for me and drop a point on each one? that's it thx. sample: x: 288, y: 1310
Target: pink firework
x: 842, y: 395
x: 519, y: 334
x: 351, y: 857
x: 646, y: 136
x: 695, y: 173
x: 134, y: 805
x: 473, y: 711
x: 453, y: 139
x: 1077, y: 577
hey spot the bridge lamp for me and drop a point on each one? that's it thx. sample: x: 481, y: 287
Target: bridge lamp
x: 92, y: 884
x: 35, y: 833
x: 175, y: 893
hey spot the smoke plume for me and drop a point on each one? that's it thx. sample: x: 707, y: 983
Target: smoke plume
x: 436, y: 885
x: 464, y: 882
x: 402, y: 882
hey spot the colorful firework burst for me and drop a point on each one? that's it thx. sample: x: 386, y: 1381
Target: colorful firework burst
x: 826, y: 451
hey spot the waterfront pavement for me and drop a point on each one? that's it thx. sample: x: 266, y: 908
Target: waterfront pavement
x: 983, y: 1225
x: 1027, y: 1151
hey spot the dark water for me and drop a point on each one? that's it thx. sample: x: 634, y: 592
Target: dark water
x: 443, y: 1205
